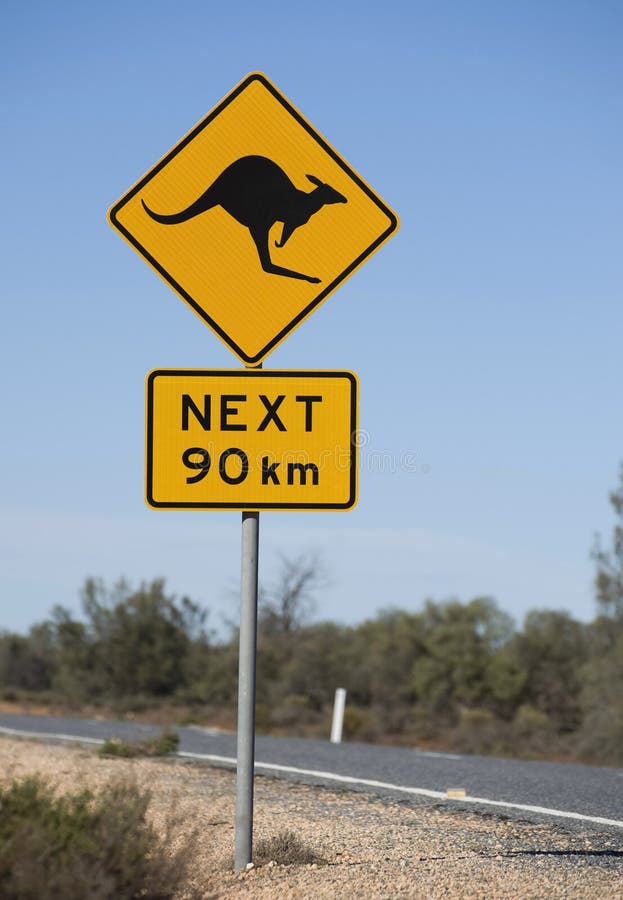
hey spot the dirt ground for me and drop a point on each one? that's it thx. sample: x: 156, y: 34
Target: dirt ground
x: 370, y: 848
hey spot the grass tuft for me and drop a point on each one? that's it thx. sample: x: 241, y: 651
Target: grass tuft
x: 286, y: 849
x: 165, y: 743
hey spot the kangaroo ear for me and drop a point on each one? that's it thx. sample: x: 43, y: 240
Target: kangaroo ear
x: 314, y: 180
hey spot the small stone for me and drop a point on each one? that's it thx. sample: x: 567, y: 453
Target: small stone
x: 249, y: 866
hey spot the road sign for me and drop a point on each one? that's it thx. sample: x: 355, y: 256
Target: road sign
x: 253, y: 218
x: 251, y: 440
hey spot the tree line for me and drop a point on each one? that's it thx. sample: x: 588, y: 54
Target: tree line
x: 459, y: 675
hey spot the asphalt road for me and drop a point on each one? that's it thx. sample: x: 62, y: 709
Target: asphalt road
x: 585, y: 798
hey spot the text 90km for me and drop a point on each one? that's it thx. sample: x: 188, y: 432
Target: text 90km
x: 251, y: 440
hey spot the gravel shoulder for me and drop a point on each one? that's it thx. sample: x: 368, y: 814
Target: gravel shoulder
x: 372, y: 848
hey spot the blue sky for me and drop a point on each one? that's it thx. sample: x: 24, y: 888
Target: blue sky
x: 486, y: 334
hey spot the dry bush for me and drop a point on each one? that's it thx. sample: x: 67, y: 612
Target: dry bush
x: 86, y: 845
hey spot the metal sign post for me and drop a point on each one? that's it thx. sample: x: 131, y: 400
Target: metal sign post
x: 204, y: 218
x: 246, y: 690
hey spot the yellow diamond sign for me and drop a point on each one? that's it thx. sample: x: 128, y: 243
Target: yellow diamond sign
x: 253, y: 219
x: 255, y: 439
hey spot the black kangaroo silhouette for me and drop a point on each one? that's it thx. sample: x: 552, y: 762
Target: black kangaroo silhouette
x: 258, y: 193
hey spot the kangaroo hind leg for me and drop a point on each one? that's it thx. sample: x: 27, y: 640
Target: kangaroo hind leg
x: 260, y: 236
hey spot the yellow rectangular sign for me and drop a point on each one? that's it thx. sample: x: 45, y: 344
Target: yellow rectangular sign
x: 252, y: 440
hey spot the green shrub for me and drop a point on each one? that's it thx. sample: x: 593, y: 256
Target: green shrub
x: 294, y: 712
x: 533, y: 732
x: 360, y: 724
x: 479, y: 731
x: 84, y: 846
x: 262, y: 718
x: 165, y: 743
x: 117, y: 747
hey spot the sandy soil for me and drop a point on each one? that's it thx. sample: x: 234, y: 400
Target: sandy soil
x: 372, y: 849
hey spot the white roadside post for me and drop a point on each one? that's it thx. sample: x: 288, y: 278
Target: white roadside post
x: 338, y: 715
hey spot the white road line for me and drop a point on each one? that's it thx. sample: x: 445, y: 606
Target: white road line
x: 47, y: 734
x: 343, y: 779
x: 434, y: 754
x: 403, y: 789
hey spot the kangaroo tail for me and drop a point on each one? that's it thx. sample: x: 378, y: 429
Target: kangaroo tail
x: 200, y: 205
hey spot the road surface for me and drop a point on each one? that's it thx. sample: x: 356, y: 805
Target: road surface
x: 576, y: 796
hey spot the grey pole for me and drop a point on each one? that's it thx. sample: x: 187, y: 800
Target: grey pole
x: 246, y: 691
